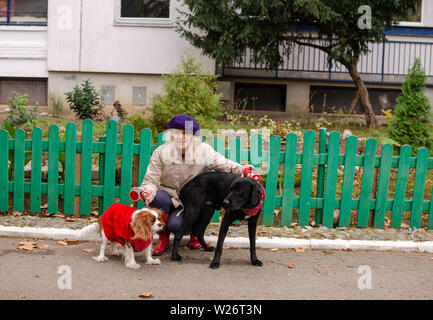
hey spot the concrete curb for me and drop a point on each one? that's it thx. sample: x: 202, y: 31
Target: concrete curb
x: 261, y: 242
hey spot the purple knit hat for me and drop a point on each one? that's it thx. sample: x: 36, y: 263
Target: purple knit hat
x: 184, y: 122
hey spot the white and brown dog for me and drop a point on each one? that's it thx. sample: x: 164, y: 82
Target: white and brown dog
x: 130, y: 227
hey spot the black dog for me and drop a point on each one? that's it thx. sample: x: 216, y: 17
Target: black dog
x: 240, y: 197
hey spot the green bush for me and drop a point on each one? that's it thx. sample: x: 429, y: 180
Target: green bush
x: 85, y: 101
x: 189, y: 90
x: 19, y: 113
x: 411, y: 123
x: 139, y: 122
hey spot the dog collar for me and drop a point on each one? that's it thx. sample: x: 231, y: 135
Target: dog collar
x: 256, y: 209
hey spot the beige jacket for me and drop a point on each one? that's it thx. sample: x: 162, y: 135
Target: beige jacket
x: 168, y: 170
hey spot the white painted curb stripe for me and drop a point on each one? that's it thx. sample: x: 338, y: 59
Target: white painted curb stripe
x: 261, y: 242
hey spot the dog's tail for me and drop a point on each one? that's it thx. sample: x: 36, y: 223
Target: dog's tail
x: 90, y: 232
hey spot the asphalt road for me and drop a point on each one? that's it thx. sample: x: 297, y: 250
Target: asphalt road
x: 68, y: 272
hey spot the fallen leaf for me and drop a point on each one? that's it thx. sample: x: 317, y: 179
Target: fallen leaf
x: 93, y: 219
x: 58, y: 215
x: 16, y: 213
x: 300, y: 249
x: 291, y: 266
x: 404, y: 225
x: 88, y: 250
x: 416, y: 251
x: 70, y: 219
x: 44, y: 247
x: 27, y: 245
x: 146, y: 295
x: 263, y: 232
x: 67, y: 242
x: 140, y: 278
x: 35, y: 276
x: 274, y: 249
x: 347, y: 249
x: 44, y: 206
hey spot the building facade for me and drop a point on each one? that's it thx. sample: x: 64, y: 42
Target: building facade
x: 124, y: 47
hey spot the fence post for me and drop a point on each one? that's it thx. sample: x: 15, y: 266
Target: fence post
x: 101, y: 176
x: 70, y: 154
x: 19, y: 156
x: 348, y: 179
x: 86, y: 167
x: 306, y: 178
x: 271, y: 180
x: 383, y: 186
x: 321, y: 175
x: 4, y: 174
x: 367, y: 183
x: 419, y: 188
x: 331, y: 179
x: 289, y: 179
x: 400, y: 186
x: 36, y: 175
x: 77, y: 179
x: 144, y: 158
x: 53, y: 169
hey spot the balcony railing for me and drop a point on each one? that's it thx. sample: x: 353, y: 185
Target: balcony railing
x: 386, y: 62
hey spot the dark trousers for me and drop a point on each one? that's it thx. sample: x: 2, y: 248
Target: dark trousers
x: 162, y: 201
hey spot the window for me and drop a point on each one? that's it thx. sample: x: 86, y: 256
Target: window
x: 145, y: 9
x: 144, y: 12
x: 344, y: 100
x: 414, y: 17
x: 36, y: 88
x: 257, y: 96
x: 23, y: 12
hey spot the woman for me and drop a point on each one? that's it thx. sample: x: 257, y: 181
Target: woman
x: 182, y: 157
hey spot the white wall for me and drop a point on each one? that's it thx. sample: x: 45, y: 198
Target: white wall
x: 23, y: 51
x: 83, y: 36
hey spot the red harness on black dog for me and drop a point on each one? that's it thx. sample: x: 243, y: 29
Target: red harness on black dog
x: 256, y: 177
x: 256, y: 209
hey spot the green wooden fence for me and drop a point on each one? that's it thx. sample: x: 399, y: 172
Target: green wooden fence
x: 320, y: 169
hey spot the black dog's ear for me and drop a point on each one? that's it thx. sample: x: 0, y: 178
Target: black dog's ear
x: 256, y: 194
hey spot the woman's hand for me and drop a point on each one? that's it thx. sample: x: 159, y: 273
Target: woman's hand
x: 140, y: 193
x: 252, y: 173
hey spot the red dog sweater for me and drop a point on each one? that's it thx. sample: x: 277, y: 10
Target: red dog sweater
x: 116, y: 224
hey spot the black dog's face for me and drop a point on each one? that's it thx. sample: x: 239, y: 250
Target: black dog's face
x: 244, y: 193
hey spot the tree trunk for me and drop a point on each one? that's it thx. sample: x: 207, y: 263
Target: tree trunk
x: 364, y: 99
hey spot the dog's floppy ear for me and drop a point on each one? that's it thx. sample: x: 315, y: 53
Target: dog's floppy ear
x: 142, y: 225
x: 256, y: 194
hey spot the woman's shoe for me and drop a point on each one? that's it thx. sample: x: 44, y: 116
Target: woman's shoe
x: 193, y: 242
x: 163, y: 242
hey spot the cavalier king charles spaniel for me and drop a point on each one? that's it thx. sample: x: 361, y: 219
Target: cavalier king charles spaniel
x: 131, y: 228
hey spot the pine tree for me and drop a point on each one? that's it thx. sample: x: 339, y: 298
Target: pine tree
x: 411, y: 123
